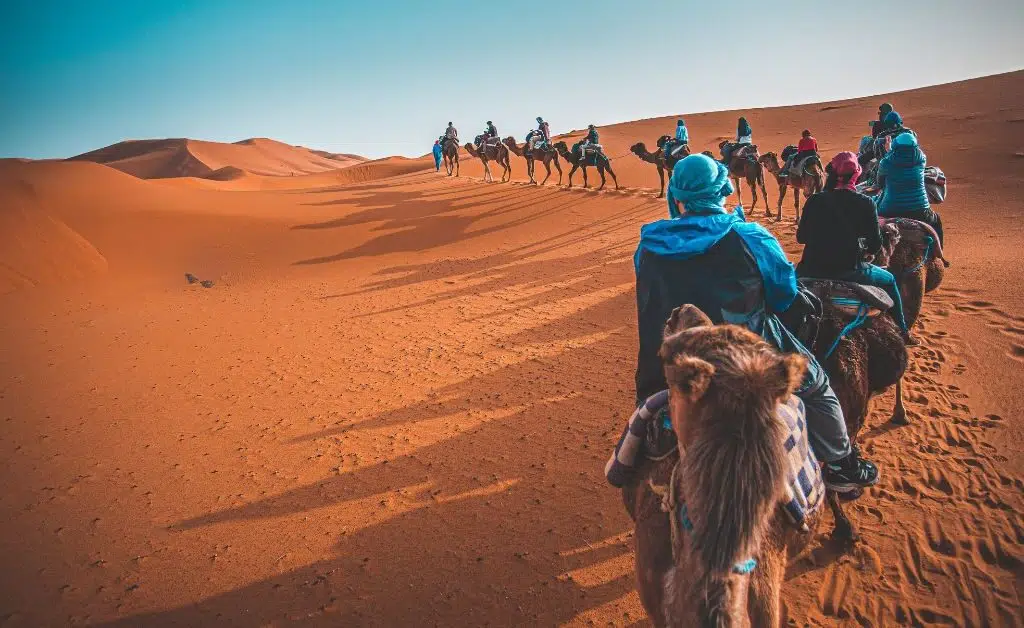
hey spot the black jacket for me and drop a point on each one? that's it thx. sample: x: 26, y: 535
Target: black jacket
x: 830, y: 229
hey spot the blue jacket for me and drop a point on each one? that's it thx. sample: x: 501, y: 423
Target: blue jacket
x: 682, y: 135
x: 437, y: 151
x: 753, y: 281
x: 902, y: 176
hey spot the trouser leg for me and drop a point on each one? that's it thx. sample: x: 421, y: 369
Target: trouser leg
x: 826, y: 427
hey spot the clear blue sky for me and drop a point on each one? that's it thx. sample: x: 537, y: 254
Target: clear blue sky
x: 379, y: 77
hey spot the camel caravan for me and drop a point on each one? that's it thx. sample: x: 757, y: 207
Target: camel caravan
x: 755, y: 376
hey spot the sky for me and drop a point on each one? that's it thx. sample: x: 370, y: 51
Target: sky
x: 383, y: 77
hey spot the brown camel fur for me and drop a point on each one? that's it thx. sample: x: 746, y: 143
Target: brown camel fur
x: 867, y: 361
x: 532, y: 156
x: 904, y: 257
x: 492, y: 152
x: 450, y: 151
x: 810, y: 181
x: 658, y: 158
x: 725, y: 384
x: 752, y: 171
x: 600, y: 161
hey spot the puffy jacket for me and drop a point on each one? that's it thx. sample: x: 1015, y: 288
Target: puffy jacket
x: 901, y: 174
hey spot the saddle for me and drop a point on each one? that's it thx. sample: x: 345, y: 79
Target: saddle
x: 935, y: 184
x: 746, y: 151
x: 596, y: 150
x: 649, y: 436
x: 851, y: 299
x: 801, y: 166
x: 675, y: 150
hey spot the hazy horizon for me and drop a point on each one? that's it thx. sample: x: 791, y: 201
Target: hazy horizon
x: 385, y: 79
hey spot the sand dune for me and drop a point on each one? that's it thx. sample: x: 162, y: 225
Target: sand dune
x: 161, y: 159
x: 394, y: 404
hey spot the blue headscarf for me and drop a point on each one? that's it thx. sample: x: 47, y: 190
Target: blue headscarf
x: 893, y: 120
x: 701, y: 184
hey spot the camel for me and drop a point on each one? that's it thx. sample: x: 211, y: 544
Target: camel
x: 450, y: 150
x: 600, y: 161
x: 751, y: 170
x: 532, y: 156
x: 810, y: 181
x: 712, y: 540
x: 658, y: 158
x: 865, y: 362
x: 917, y: 265
x: 497, y: 152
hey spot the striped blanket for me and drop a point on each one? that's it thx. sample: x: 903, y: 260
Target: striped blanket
x: 649, y: 434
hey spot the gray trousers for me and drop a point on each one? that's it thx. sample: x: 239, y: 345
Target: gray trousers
x: 826, y: 427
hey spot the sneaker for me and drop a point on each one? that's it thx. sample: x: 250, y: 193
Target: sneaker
x: 850, y: 473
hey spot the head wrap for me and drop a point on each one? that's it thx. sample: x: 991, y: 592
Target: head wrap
x: 905, y: 139
x: 701, y: 184
x: 893, y: 119
x: 847, y: 170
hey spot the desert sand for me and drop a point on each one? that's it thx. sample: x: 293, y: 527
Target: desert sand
x: 394, y: 404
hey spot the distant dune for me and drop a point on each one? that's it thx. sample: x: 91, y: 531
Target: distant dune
x: 169, y: 158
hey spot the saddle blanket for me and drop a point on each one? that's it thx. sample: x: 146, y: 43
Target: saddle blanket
x: 649, y: 434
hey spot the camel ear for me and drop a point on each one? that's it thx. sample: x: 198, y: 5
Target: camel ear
x: 789, y: 373
x: 685, y: 317
x: 689, y: 375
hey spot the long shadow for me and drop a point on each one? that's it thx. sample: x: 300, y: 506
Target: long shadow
x: 429, y: 230
x: 469, y: 269
x: 503, y: 509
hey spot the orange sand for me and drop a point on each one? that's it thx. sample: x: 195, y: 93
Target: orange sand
x: 394, y: 405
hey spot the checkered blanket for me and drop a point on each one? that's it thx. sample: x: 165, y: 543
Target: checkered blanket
x: 649, y: 434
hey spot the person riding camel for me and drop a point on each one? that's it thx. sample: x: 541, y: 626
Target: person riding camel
x: 879, y: 125
x: 735, y: 272
x: 744, y: 137
x: 680, y: 139
x: 541, y: 136
x: 451, y: 133
x: 807, y: 147
x: 490, y: 132
x: 838, y: 228
x: 901, y: 178
x: 590, y: 142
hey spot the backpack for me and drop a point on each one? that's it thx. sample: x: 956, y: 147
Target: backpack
x: 935, y: 184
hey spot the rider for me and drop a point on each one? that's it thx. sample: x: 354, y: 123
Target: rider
x: 489, y: 132
x: 901, y: 177
x: 736, y: 272
x: 892, y: 126
x: 451, y: 133
x: 878, y: 126
x: 831, y: 229
x: 542, y: 136
x: 591, y: 140
x: 744, y: 137
x: 808, y: 146
x: 682, y: 135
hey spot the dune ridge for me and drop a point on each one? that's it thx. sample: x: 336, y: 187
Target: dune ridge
x: 179, y: 157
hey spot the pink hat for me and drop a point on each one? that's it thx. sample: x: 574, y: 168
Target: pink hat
x: 847, y: 169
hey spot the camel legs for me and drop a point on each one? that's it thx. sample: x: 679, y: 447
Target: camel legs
x: 614, y: 178
x: 585, y: 182
x: 661, y: 179
x: 600, y: 171
x: 796, y: 201
x: 753, y: 191
x: 899, y: 413
x: 739, y: 191
x: 912, y: 294
x: 558, y: 167
x: 487, y: 173
x: 764, y: 193
x: 571, y: 171
x: 782, y: 196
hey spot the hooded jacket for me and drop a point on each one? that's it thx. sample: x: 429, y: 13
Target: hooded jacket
x: 733, y: 270
x: 901, y: 174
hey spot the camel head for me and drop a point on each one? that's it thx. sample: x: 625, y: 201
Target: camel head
x: 639, y: 149
x: 511, y: 143
x: 890, y: 238
x: 770, y: 161
x: 662, y: 140
x: 722, y: 144
x: 708, y: 153
x: 725, y: 386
